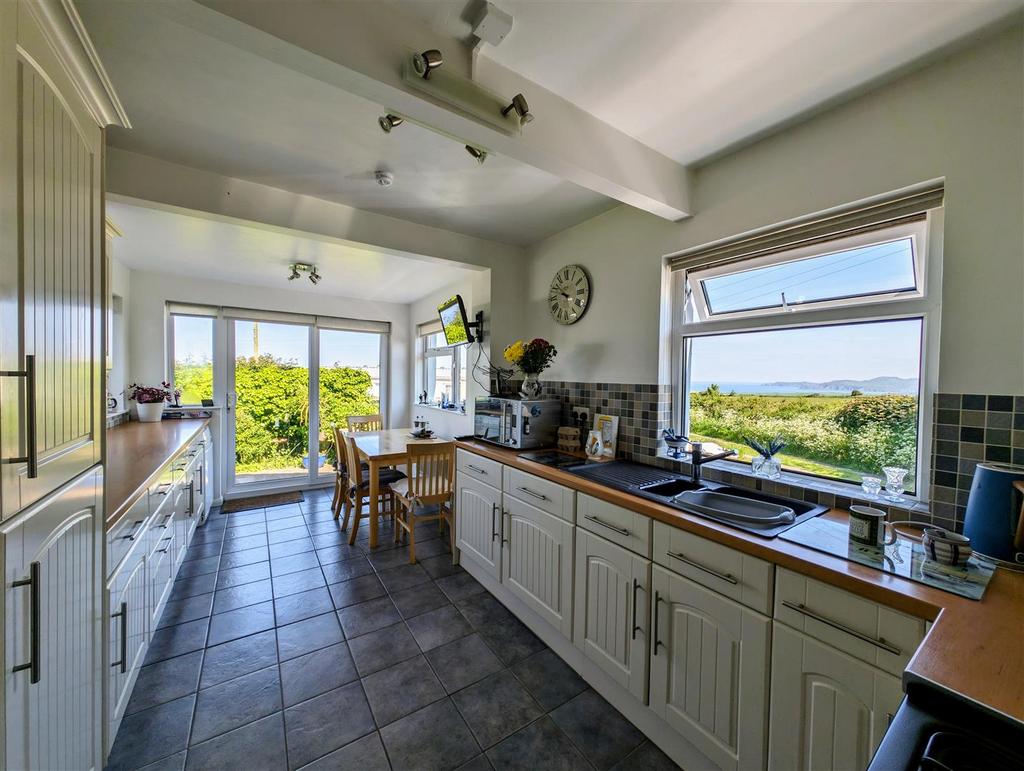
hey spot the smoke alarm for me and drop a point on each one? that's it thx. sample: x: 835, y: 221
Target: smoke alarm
x: 384, y: 178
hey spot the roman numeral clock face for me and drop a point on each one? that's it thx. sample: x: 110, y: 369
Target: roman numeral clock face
x: 569, y: 296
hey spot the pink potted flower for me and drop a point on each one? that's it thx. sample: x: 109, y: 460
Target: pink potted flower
x: 150, y: 400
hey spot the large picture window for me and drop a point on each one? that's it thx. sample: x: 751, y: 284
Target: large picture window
x: 443, y: 373
x: 191, y: 343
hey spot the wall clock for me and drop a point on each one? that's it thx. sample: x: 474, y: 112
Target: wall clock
x: 569, y: 295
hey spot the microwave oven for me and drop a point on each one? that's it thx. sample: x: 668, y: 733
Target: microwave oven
x: 521, y: 424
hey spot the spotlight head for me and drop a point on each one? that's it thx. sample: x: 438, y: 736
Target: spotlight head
x: 314, y: 277
x: 294, y: 274
x: 522, y: 109
x: 425, y: 62
x: 388, y: 122
x: 476, y: 152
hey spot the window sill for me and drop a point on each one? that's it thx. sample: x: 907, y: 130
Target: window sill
x: 436, y: 408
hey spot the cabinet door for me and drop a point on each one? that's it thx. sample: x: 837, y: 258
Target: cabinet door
x: 182, y: 525
x: 828, y: 710
x: 50, y: 269
x: 478, y: 523
x: 160, y: 570
x: 709, y: 670
x: 536, y: 561
x: 128, y: 634
x: 611, y: 610
x: 52, y: 630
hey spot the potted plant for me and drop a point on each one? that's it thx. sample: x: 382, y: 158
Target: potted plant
x: 766, y: 464
x: 150, y: 400
x: 532, y: 358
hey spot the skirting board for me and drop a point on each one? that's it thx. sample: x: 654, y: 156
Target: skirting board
x: 654, y: 728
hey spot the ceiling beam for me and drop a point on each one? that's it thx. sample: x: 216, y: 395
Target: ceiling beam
x: 362, y: 51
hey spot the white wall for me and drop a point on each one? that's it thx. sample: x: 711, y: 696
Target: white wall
x: 961, y: 119
x: 117, y: 377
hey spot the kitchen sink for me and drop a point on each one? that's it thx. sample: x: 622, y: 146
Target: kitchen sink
x: 672, y: 488
x: 736, y: 508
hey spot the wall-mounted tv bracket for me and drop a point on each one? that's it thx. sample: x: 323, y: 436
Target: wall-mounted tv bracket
x: 476, y: 326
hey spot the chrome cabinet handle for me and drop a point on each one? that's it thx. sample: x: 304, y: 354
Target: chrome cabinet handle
x: 123, y: 615
x: 503, y: 538
x: 134, y: 531
x: 494, y: 529
x: 32, y: 582
x: 471, y: 467
x: 878, y: 642
x: 710, y: 571
x: 168, y: 485
x: 657, y: 640
x: 528, y: 491
x: 602, y: 523
x: 31, y: 456
x: 636, y: 627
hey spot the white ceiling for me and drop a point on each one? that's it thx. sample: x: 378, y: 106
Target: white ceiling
x: 200, y: 102
x: 173, y: 242
x: 691, y: 79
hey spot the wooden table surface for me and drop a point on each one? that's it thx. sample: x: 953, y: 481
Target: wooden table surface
x: 135, y: 454
x: 385, y: 448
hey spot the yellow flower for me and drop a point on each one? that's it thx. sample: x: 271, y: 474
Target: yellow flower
x: 514, y: 352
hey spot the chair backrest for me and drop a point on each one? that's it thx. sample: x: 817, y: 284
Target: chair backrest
x: 365, y: 422
x: 430, y: 467
x: 351, y: 460
x: 339, y: 448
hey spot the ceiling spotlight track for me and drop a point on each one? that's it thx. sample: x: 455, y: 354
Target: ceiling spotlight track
x: 389, y: 121
x: 426, y: 62
x: 298, y: 268
x: 522, y: 109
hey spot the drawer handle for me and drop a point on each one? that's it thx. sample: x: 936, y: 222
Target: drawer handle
x: 710, y: 571
x: 123, y: 615
x: 657, y: 641
x: 494, y: 528
x: 163, y: 550
x: 134, y: 533
x: 32, y: 582
x: 636, y: 627
x: 602, y: 523
x: 878, y: 642
x: 503, y: 538
x: 31, y: 456
x: 528, y: 491
x: 477, y: 469
x: 168, y: 485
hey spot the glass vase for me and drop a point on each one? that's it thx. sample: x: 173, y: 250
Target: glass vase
x: 767, y: 468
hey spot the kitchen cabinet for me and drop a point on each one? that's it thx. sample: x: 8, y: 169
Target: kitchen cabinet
x: 828, y: 709
x: 128, y: 632
x: 477, y: 530
x: 612, y: 604
x: 709, y: 670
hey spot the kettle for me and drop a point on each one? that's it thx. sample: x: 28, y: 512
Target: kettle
x: 994, y: 520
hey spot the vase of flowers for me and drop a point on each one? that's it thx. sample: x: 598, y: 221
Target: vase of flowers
x: 150, y: 400
x: 531, y: 358
x: 766, y: 464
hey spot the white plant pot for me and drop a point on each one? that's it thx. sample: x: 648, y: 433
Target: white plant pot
x: 150, y: 412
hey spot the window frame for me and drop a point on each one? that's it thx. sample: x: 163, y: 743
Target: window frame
x: 169, y: 325
x: 428, y: 352
x: 924, y: 304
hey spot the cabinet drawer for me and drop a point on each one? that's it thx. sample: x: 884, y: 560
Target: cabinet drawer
x: 123, y: 535
x: 861, y: 627
x: 618, y: 525
x: 738, y: 576
x: 546, y: 496
x: 479, y: 468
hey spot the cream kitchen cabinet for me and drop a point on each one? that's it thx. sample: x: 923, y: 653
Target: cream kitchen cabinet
x: 129, y: 629
x: 709, y: 670
x: 612, y: 604
x: 828, y: 709
x: 478, y: 525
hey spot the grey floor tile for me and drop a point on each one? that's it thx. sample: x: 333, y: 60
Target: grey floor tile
x: 432, y: 548
x: 479, y: 763
x: 549, y: 680
x: 236, y: 597
x: 356, y: 590
x: 597, y: 728
x: 258, y: 745
x: 230, y: 705
x: 175, y: 762
x: 352, y: 567
x: 241, y: 623
x: 283, y: 511
x: 402, y: 577
x: 208, y: 549
x: 390, y: 558
x: 236, y: 559
x: 198, y: 567
x: 417, y: 600
x: 152, y: 734
x: 646, y: 757
x: 440, y: 566
x: 247, y: 542
x: 245, y: 574
x: 308, y: 635
x: 496, y: 707
x: 302, y: 581
x: 293, y: 563
x: 324, y: 723
x: 187, y: 609
x: 244, y: 530
x: 338, y: 553
x: 463, y: 662
x: 288, y: 534
x: 283, y: 523
x: 238, y: 657
x: 177, y: 640
x: 190, y: 587
x: 317, y: 672
x: 511, y: 641
x: 459, y: 586
x: 285, y: 548
x: 438, y: 627
x: 380, y: 649
x: 165, y: 681
x: 366, y: 754
x: 401, y: 689
x: 296, y: 607
x: 483, y: 611
x: 327, y: 540
x: 239, y: 518
x: 368, y: 617
x: 326, y: 524
x: 540, y: 739
x: 431, y: 739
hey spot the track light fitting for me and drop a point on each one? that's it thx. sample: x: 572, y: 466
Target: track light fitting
x: 476, y: 152
x: 522, y: 109
x: 388, y: 122
x: 425, y: 62
x: 298, y: 268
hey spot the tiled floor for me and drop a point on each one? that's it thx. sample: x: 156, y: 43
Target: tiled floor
x: 284, y: 647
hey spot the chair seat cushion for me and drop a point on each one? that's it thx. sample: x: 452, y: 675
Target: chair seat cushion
x: 385, y: 477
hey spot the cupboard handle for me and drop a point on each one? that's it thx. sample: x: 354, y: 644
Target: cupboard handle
x: 503, y: 538
x: 494, y: 529
x: 123, y: 615
x: 878, y: 642
x: 168, y: 485
x: 32, y: 582
x: 31, y: 456
x: 602, y: 523
x: 134, y: 532
x: 528, y: 491
x: 636, y: 627
x: 657, y: 641
x: 710, y: 571
x: 478, y: 470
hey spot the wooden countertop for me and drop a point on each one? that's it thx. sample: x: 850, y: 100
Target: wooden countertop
x: 136, y: 452
x: 974, y: 648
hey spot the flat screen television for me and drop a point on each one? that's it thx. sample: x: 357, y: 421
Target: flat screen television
x: 454, y: 321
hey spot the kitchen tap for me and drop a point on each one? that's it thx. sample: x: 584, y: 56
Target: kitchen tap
x: 698, y: 459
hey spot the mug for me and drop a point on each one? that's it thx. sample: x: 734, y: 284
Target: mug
x: 868, y: 526
x: 945, y: 547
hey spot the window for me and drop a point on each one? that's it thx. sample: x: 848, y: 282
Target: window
x: 191, y: 346
x: 443, y: 373
x: 824, y: 346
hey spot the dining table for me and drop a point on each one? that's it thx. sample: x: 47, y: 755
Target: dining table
x: 380, y: 449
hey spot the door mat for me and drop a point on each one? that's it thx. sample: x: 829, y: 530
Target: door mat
x: 260, y: 501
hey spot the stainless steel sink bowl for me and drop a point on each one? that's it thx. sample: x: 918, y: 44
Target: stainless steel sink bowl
x: 734, y: 508
x: 672, y: 488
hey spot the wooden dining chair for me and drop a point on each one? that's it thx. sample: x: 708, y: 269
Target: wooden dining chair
x: 365, y: 422
x: 358, y: 492
x: 340, y: 471
x: 425, y: 494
